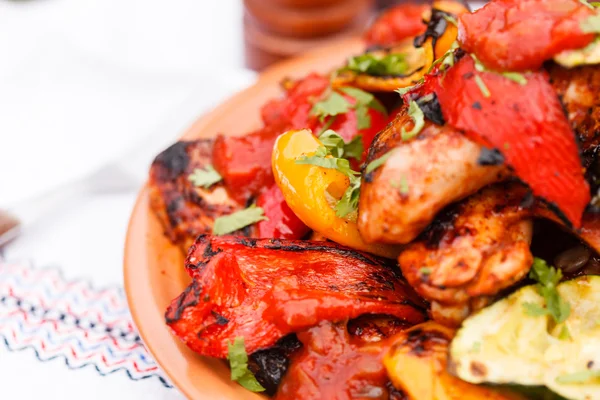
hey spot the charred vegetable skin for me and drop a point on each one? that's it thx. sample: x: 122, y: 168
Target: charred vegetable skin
x: 264, y: 289
x: 186, y: 211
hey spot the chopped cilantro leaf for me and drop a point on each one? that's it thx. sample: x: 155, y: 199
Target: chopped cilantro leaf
x: 564, y: 333
x: 425, y: 271
x: 513, y: 76
x: 579, y: 377
x: 415, y: 112
x: 238, y: 362
x: 484, y: 89
x: 364, y: 99
x: 333, y: 144
x: 354, y: 148
x: 373, y: 165
x: 363, y: 119
x: 238, y: 220
x: 349, y: 201
x: 336, y: 146
x: 332, y: 105
x: 204, y: 177
x: 534, y: 310
x: 371, y: 64
x: 516, y: 77
x: 548, y: 279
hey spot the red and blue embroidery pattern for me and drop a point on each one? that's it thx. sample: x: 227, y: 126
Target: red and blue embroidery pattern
x: 72, y: 321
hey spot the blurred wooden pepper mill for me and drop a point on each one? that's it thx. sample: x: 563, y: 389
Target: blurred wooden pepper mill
x: 277, y: 29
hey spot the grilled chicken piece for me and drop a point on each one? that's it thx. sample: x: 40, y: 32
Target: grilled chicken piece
x: 473, y: 251
x: 400, y: 198
x: 578, y: 90
x: 186, y: 211
x: 441, y: 166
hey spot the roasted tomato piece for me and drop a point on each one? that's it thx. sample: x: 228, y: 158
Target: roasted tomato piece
x: 334, y: 365
x: 245, y: 162
x: 525, y: 122
x: 282, y: 223
x: 521, y: 34
x: 396, y: 24
x: 235, y: 278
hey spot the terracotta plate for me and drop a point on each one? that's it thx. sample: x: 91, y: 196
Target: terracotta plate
x: 154, y: 273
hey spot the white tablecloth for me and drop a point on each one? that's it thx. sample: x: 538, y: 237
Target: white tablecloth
x: 84, y: 83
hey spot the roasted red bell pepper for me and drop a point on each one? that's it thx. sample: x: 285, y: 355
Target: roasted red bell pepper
x: 519, y: 35
x: 338, y: 366
x: 233, y: 277
x: 396, y: 24
x: 282, y: 223
x: 525, y: 122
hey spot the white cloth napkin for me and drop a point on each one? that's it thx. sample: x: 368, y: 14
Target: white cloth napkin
x: 85, y: 83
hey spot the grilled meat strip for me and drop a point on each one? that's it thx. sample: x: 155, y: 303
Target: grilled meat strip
x: 186, y: 211
x: 401, y: 198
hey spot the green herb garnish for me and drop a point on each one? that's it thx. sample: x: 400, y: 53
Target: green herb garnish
x: 484, y: 89
x: 330, y: 106
x: 548, y: 279
x: 336, y: 146
x: 371, y: 64
x: 204, y: 177
x: 373, y: 165
x: 238, y: 362
x: 238, y: 220
x: 415, y: 112
x: 425, y: 271
x: 335, y: 104
x: 325, y: 157
x: 349, y: 201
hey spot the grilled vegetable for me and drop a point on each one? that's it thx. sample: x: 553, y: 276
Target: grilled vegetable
x: 262, y: 290
x: 515, y: 342
x: 312, y: 192
x: 524, y: 121
x: 522, y: 34
x: 416, y: 363
x: 339, y: 366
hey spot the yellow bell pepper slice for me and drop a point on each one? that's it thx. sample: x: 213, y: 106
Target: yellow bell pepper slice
x: 417, y: 364
x: 309, y: 191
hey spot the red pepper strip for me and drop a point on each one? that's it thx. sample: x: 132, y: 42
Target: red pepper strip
x: 396, y: 24
x: 519, y: 35
x: 526, y: 123
x: 232, y: 277
x: 336, y: 366
x: 282, y: 223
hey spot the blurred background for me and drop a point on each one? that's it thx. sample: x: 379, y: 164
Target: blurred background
x: 91, y: 90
